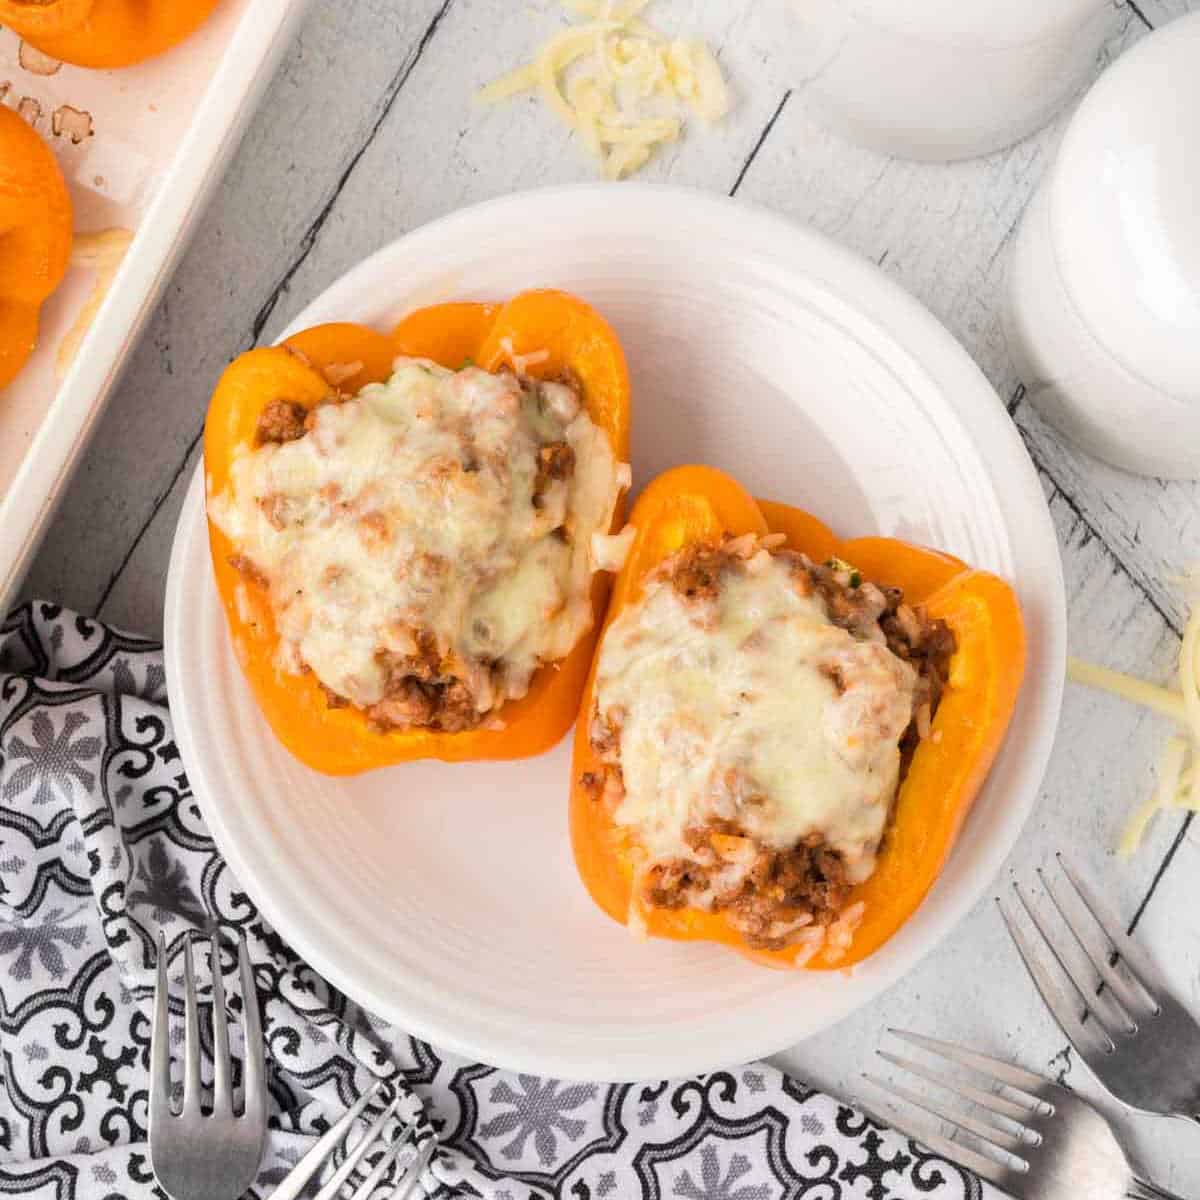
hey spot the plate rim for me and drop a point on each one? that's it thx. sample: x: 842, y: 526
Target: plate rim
x: 905, y: 321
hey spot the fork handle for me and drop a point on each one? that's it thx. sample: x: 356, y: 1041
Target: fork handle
x: 1163, y: 1151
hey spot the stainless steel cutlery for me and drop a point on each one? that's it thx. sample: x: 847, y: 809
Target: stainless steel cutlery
x: 1106, y: 995
x: 213, y: 1155
x: 377, y: 1137
x: 1020, y: 1131
x: 211, y: 1146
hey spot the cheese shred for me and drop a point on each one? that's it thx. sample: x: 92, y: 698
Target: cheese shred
x: 621, y: 86
x: 1178, y: 779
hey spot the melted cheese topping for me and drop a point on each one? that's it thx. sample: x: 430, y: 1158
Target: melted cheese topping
x: 728, y: 710
x: 416, y: 506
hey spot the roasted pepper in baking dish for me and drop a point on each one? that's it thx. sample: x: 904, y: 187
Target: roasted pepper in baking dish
x: 104, y: 33
x: 548, y: 333
x: 701, y: 505
x: 35, y: 237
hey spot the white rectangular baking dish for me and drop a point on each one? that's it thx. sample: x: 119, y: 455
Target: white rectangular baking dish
x: 163, y: 133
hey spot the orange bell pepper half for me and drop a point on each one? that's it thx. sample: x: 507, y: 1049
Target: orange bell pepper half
x: 561, y: 333
x: 35, y: 237
x: 104, y: 33
x: 700, y: 504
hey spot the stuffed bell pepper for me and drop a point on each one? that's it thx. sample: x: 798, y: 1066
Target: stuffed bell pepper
x: 35, y: 237
x: 782, y: 733
x: 410, y: 531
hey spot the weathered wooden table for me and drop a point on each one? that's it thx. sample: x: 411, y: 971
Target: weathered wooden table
x: 370, y: 130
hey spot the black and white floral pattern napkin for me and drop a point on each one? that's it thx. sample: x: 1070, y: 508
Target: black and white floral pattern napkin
x: 102, y: 846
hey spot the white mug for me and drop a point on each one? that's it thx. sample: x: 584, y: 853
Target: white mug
x: 945, y: 79
x: 1102, y: 312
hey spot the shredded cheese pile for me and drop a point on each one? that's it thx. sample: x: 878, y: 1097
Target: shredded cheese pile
x: 1178, y: 783
x: 619, y: 84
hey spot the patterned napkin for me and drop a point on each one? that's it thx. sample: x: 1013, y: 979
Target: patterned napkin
x: 102, y: 846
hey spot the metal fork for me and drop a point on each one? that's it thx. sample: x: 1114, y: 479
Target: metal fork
x: 373, y: 1138
x: 1138, y: 1040
x: 1043, y: 1143
x: 214, y: 1155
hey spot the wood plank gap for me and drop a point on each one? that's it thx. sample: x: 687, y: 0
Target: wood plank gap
x: 1141, y: 16
x: 309, y: 240
x: 159, y: 501
x: 1094, y: 532
x: 758, y: 145
x: 1168, y: 858
x: 307, y: 243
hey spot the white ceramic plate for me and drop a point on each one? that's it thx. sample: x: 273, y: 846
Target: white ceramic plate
x: 444, y: 898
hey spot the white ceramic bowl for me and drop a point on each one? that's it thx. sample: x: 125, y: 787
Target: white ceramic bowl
x: 444, y: 898
x: 1102, y: 310
x: 945, y: 79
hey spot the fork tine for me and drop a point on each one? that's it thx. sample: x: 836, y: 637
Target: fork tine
x: 222, y: 1082
x: 1052, y: 995
x: 1127, y: 1002
x: 298, y: 1177
x: 414, y: 1171
x: 333, y: 1185
x: 998, y: 1069
x: 1085, y: 991
x: 982, y: 1165
x: 160, y: 1047
x: 191, y: 1030
x: 992, y: 1101
x: 254, y: 1068
x: 377, y: 1172
x: 1136, y: 963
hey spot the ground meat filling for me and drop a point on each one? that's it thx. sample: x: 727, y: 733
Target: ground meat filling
x: 778, y: 898
x: 428, y: 688
x: 421, y: 692
x: 555, y: 462
x: 696, y: 574
x: 782, y: 892
x: 281, y: 421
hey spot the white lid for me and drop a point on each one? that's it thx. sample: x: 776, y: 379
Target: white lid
x: 1125, y: 209
x: 986, y: 22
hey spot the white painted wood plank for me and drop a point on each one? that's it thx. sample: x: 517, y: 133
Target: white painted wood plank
x: 1158, y: 12
x: 135, y: 601
x: 1153, y: 526
x: 415, y: 171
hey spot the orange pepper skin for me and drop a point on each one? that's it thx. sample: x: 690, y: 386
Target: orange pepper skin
x: 691, y: 504
x: 104, y: 33
x: 35, y: 237
x: 338, y: 741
